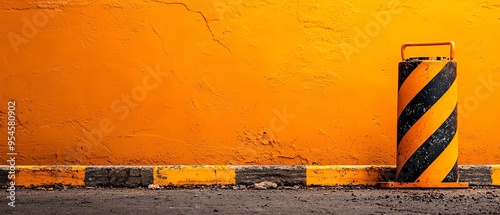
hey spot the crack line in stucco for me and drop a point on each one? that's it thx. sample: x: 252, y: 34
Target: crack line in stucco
x: 202, y: 15
x: 166, y: 54
x: 162, y: 41
x: 376, y: 122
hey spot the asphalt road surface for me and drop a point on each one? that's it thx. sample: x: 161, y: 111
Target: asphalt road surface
x: 234, y: 200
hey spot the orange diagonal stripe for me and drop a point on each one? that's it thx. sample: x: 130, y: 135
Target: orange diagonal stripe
x: 443, y: 164
x: 417, y: 80
x: 427, y: 125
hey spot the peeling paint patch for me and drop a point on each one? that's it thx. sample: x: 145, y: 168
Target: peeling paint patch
x: 256, y: 147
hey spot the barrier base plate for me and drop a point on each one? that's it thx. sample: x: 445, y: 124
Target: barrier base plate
x: 417, y: 185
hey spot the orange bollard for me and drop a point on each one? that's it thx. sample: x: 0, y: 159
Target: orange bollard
x: 427, y: 140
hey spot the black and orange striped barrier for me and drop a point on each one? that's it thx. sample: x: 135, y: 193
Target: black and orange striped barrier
x: 427, y: 140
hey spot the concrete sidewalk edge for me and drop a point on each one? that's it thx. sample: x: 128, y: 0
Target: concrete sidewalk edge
x: 142, y: 176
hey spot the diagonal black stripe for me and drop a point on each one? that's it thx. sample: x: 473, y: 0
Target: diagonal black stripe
x: 453, y: 174
x: 429, y: 150
x: 405, y: 69
x: 426, y: 98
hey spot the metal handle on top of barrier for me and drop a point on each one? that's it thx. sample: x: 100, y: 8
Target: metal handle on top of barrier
x: 440, y: 43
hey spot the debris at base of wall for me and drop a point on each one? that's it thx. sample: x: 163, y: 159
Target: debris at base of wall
x: 265, y: 185
x: 154, y: 187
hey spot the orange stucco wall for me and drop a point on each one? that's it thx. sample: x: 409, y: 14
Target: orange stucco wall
x: 123, y: 82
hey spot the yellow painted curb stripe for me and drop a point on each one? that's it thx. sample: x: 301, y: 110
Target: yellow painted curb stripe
x: 50, y: 175
x: 344, y: 175
x: 495, y: 175
x: 196, y: 175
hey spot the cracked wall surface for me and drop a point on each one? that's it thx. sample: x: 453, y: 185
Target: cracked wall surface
x: 157, y: 82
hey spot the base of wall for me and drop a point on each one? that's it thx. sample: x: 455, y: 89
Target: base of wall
x: 142, y: 176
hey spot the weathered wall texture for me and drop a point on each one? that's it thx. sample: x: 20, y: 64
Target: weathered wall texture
x: 154, y: 82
